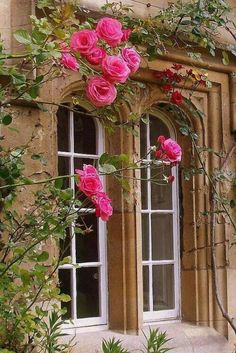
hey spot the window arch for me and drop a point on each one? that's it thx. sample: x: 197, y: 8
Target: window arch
x: 80, y: 141
x: 160, y: 228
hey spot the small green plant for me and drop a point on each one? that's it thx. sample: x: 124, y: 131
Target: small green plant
x: 155, y: 343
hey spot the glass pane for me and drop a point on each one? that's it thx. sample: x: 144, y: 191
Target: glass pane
x: 161, y: 195
x: 63, y: 129
x: 88, y: 292
x: 64, y: 169
x: 143, y: 139
x: 162, y: 237
x: 65, y: 284
x: 84, y: 133
x: 163, y: 287
x: 144, y: 189
x: 87, y: 244
x: 65, y: 244
x: 145, y: 236
x: 146, y: 288
x: 157, y: 128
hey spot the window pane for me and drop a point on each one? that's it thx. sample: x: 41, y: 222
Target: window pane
x: 84, y: 133
x: 145, y: 236
x: 64, y: 169
x: 161, y: 195
x: 163, y: 287
x: 144, y: 189
x: 88, y: 292
x: 63, y: 129
x: 157, y: 128
x: 162, y: 236
x: 143, y: 139
x: 146, y: 306
x: 65, y: 283
x: 87, y: 244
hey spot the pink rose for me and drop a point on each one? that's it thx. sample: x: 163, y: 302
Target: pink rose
x: 69, y: 61
x: 161, y: 138
x: 100, y: 92
x: 96, y: 56
x: 89, y: 184
x: 171, y: 151
x: 126, y: 34
x: 110, y: 30
x: 87, y: 169
x: 115, y: 69
x: 83, y: 41
x: 103, y: 206
x: 132, y: 58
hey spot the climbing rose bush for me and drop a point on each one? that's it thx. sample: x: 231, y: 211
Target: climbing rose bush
x: 104, y: 46
x: 90, y: 184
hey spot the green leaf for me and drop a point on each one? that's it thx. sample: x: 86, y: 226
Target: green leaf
x: 44, y: 256
x: 6, y: 119
x: 107, y: 168
x: 58, y: 183
x: 225, y: 58
x: 22, y: 36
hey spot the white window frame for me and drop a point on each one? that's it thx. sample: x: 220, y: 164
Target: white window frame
x: 75, y: 323
x: 173, y: 314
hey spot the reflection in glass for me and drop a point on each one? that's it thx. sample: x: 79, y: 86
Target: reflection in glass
x: 88, y: 297
x: 163, y: 287
x: 146, y: 288
x: 63, y: 129
x: 157, y: 128
x: 64, y: 169
x: 87, y: 244
x: 144, y: 188
x: 145, y: 236
x: 162, y: 236
x: 84, y: 133
x: 161, y: 195
x: 65, y: 282
x: 143, y: 139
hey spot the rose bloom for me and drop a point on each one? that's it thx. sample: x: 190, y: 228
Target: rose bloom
x: 177, y: 98
x: 100, y: 92
x: 177, y: 67
x: 126, y: 34
x: 161, y: 138
x: 83, y: 41
x: 103, y: 206
x: 172, y: 151
x: 170, y: 179
x: 96, y: 56
x: 87, y: 169
x: 68, y: 61
x: 132, y: 58
x: 167, y: 88
x: 110, y: 30
x: 115, y: 69
x: 89, y: 184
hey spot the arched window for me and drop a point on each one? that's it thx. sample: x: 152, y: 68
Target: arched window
x: 159, y: 213
x: 80, y: 142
